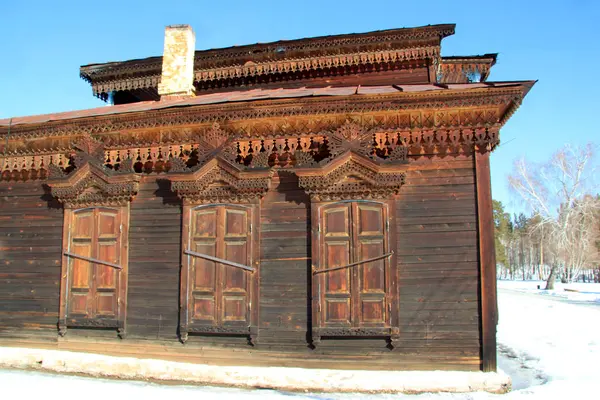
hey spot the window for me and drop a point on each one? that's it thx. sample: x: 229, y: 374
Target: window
x: 95, y: 267
x: 220, y: 244
x: 353, y: 282
x: 220, y: 269
x: 354, y: 286
x: 93, y: 286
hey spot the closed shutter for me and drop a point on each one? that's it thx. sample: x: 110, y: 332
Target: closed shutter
x: 95, y: 235
x: 219, y: 294
x: 81, y: 271
x: 107, y: 249
x: 370, y: 278
x: 337, y: 252
x: 354, y: 295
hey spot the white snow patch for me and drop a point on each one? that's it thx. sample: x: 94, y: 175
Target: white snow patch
x: 578, y: 291
x: 321, y: 380
x: 554, y: 338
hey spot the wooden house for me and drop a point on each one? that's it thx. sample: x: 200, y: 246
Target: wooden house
x: 321, y: 202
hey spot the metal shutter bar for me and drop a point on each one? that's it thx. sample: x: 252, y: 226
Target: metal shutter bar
x: 368, y: 260
x: 219, y: 260
x: 93, y: 260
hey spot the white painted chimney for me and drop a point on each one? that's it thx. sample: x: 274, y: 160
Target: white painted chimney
x: 177, y: 78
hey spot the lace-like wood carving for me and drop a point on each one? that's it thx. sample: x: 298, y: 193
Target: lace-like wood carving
x: 351, y: 176
x: 91, y: 183
x: 221, y: 181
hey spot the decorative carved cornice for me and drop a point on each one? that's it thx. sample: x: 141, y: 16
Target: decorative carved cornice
x: 317, y: 63
x: 309, y: 68
x: 91, y: 183
x: 92, y: 186
x: 281, y: 58
x: 350, y: 137
x: 351, y: 176
x: 465, y: 69
x: 377, y: 139
x: 402, y: 103
x: 220, y: 181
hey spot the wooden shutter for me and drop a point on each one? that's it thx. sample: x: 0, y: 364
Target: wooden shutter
x: 337, y: 251
x: 219, y: 297
x: 353, y: 298
x: 236, y: 242
x: 370, y: 241
x: 81, y: 272
x: 204, y: 288
x: 107, y: 249
x: 95, y: 292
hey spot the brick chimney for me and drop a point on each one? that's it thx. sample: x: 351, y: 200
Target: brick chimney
x: 177, y: 79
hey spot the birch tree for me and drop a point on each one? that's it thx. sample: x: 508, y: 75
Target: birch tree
x: 562, y: 194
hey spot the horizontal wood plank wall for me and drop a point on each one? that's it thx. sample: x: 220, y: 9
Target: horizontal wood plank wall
x: 437, y: 246
x: 438, y: 259
x: 30, y: 261
x: 154, y: 262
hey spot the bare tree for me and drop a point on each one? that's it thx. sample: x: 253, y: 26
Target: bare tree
x: 559, y: 193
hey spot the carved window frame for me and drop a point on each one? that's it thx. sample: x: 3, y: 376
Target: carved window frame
x: 349, y: 178
x: 220, y: 182
x: 66, y: 318
x: 186, y: 324
x: 92, y: 186
x: 320, y: 328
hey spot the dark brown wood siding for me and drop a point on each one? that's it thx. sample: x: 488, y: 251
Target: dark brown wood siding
x: 30, y: 259
x: 436, y: 231
x: 154, y: 260
x: 438, y: 259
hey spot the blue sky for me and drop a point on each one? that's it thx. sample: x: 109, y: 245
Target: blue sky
x: 557, y: 42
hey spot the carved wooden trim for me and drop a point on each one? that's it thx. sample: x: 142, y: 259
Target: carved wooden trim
x: 351, y: 176
x: 400, y: 102
x: 220, y: 181
x: 91, y: 186
x: 354, y: 332
x: 386, y: 140
x: 91, y: 183
x: 465, y: 69
x: 316, y: 63
x: 281, y: 58
x: 391, y: 329
x: 119, y: 321
x: 186, y: 323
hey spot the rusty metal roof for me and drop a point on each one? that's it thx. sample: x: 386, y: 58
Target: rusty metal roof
x: 253, y: 96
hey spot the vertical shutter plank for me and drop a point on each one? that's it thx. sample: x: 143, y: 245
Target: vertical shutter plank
x: 336, y: 250
x: 371, y: 242
x: 235, y: 248
x: 80, y: 271
x: 204, y: 272
x: 107, y: 245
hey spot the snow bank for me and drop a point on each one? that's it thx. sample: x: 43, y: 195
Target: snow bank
x: 557, y: 339
x: 584, y: 292
x: 293, y: 379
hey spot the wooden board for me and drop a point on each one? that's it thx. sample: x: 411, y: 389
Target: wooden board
x: 437, y: 265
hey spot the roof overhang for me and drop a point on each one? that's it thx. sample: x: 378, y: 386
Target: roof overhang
x: 277, y: 100
x: 234, y: 64
x: 465, y: 69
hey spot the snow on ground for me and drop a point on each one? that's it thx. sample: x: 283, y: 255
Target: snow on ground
x: 558, y: 340
x: 586, y: 292
x: 550, y: 345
